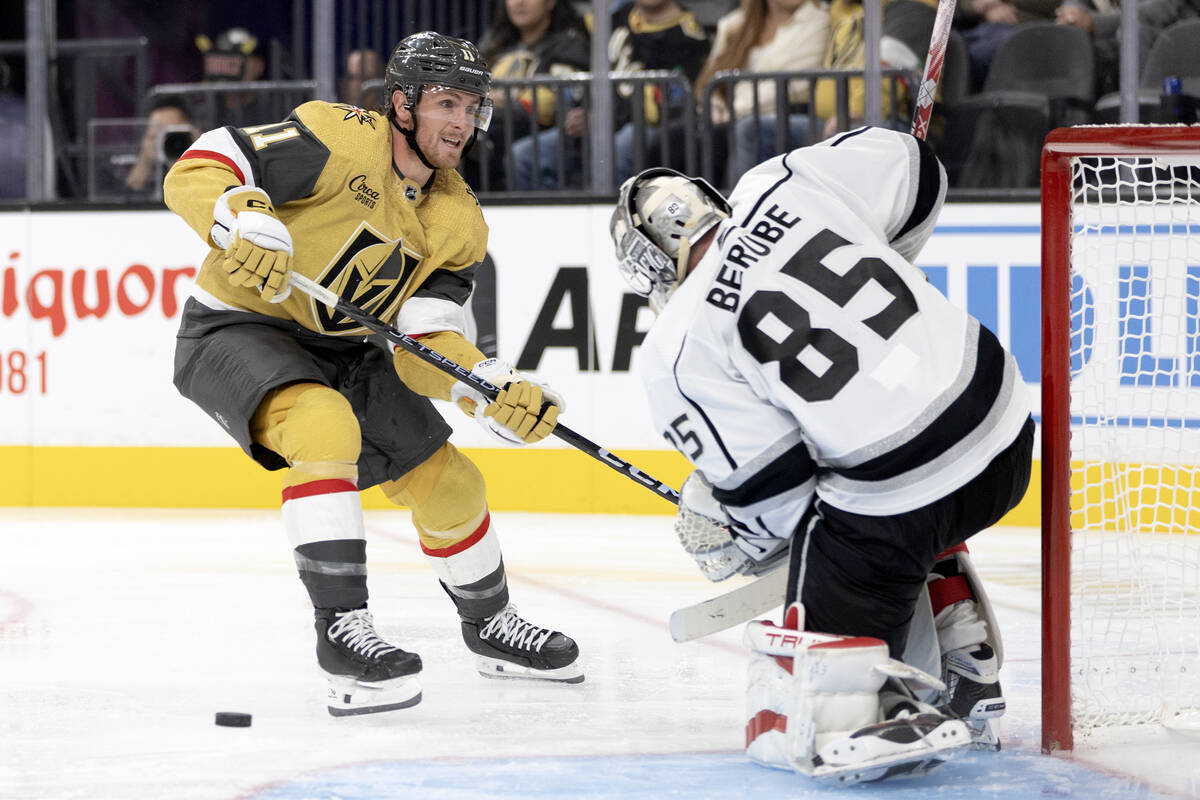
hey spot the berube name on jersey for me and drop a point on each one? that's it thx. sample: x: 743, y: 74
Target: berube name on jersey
x: 750, y: 245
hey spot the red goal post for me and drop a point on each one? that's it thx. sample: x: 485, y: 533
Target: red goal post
x: 1120, y: 429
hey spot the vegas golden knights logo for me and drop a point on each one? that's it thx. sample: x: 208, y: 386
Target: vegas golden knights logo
x: 371, y: 273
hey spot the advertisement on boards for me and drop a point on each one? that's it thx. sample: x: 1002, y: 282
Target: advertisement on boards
x: 89, y: 305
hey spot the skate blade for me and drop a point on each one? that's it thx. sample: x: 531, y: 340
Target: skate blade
x: 347, y: 697
x: 495, y: 668
x: 984, y: 736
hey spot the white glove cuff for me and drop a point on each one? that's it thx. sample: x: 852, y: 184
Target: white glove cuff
x: 224, y: 229
x: 260, y: 229
x: 264, y: 231
x: 494, y: 371
x: 498, y: 373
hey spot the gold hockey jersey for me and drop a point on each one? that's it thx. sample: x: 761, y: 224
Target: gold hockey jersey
x: 358, y: 226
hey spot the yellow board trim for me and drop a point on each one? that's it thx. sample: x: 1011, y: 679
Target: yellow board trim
x: 1150, y: 498
x: 531, y: 479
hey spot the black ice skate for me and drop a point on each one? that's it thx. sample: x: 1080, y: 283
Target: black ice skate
x: 366, y: 674
x: 970, y: 657
x: 510, y: 647
x: 973, y: 694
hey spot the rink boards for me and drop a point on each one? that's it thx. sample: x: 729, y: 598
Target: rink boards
x: 89, y: 304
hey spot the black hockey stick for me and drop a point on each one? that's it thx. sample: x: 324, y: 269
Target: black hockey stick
x: 330, y: 298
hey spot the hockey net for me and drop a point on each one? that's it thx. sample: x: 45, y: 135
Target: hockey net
x: 1120, y: 430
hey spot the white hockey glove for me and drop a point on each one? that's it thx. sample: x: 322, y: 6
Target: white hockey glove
x: 258, y: 247
x: 720, y: 550
x: 523, y: 413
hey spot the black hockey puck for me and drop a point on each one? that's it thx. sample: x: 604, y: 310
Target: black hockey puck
x: 233, y: 719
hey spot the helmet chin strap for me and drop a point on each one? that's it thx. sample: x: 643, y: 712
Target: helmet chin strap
x: 681, y: 263
x: 410, y: 136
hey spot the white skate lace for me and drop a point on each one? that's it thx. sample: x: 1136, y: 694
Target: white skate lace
x: 357, y: 629
x: 510, y: 629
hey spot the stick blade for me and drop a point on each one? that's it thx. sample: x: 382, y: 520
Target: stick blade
x: 732, y: 608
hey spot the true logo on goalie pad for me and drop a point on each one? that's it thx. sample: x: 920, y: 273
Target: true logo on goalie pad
x: 764, y: 636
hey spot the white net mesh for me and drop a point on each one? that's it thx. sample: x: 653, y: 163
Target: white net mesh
x: 1135, y: 441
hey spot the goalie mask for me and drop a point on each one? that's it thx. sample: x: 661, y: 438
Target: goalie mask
x: 660, y: 214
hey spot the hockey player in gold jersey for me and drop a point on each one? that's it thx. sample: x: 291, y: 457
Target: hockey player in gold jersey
x: 371, y: 207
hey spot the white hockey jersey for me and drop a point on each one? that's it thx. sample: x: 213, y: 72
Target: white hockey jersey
x: 805, y: 354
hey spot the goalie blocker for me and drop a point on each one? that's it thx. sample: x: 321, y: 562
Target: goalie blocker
x: 838, y: 709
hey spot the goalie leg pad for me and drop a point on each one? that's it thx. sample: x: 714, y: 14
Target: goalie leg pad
x: 814, y: 705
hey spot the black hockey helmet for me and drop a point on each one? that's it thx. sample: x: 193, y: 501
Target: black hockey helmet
x: 429, y: 58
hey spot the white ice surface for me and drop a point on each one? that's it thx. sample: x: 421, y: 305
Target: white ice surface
x: 123, y: 632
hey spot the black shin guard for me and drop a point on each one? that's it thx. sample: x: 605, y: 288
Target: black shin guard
x: 334, y: 572
x: 482, y: 598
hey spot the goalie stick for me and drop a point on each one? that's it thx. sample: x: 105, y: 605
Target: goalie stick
x: 726, y: 610
x: 332, y: 299
x: 749, y: 601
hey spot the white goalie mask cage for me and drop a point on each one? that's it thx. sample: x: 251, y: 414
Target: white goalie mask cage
x: 660, y: 213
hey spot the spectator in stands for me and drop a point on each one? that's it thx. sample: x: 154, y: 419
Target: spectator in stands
x: 362, y: 66
x: 646, y: 35
x: 234, y: 57
x: 985, y: 24
x: 709, y: 12
x: 1154, y: 16
x: 14, y: 137
x: 765, y: 36
x: 527, y: 38
x: 904, y: 42
x: 169, y: 131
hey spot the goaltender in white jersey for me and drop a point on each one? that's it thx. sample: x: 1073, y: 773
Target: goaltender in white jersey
x: 839, y: 408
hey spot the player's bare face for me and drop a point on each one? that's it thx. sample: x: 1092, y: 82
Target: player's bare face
x: 447, y: 118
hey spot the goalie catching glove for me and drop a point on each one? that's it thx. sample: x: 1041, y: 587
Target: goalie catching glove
x: 258, y: 247
x: 523, y: 413
x: 709, y: 537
